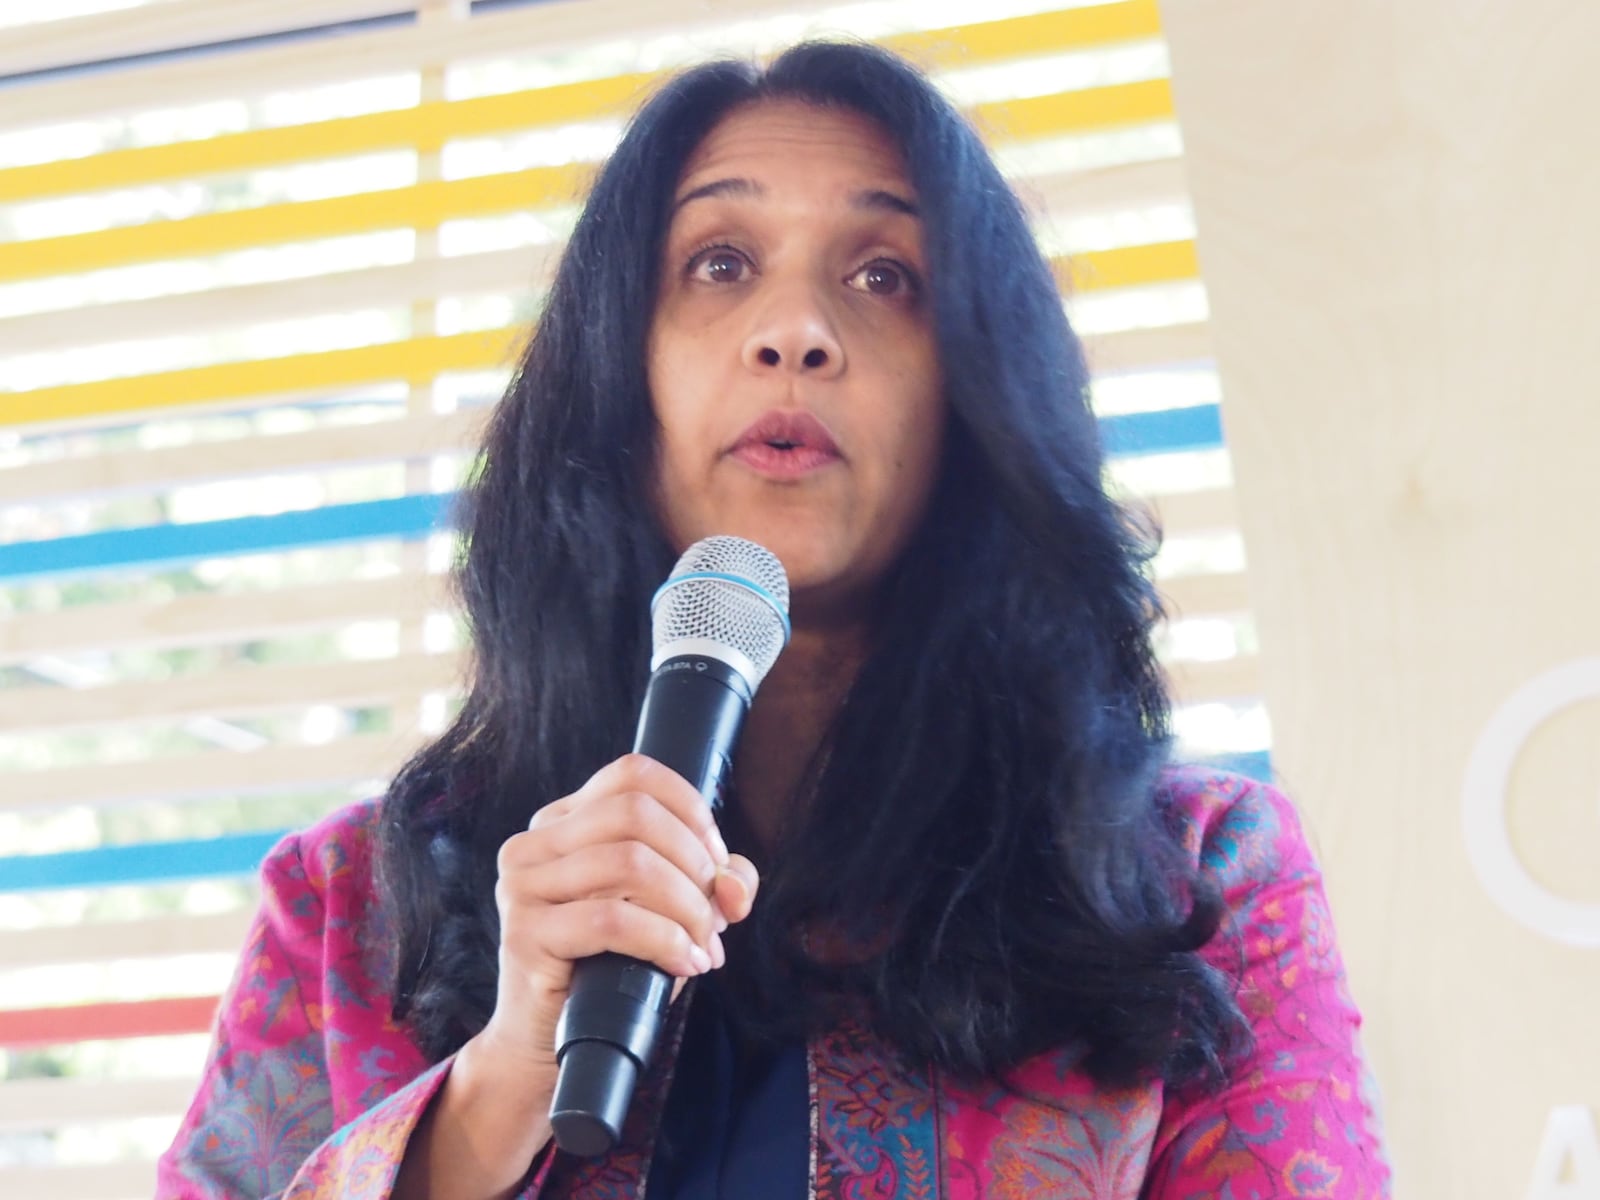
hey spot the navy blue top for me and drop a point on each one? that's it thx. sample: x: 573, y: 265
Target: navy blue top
x: 737, y: 1121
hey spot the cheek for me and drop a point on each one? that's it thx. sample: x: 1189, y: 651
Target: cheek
x: 919, y: 434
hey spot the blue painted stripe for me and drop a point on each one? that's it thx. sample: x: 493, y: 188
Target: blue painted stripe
x: 1174, y: 429
x: 1257, y: 764
x: 181, y: 53
x: 145, y: 863
x: 240, y: 854
x: 151, y: 546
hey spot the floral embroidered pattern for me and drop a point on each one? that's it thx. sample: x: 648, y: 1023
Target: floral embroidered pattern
x: 253, y: 1148
x: 874, y: 1120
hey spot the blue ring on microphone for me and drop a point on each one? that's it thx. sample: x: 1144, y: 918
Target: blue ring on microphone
x: 743, y: 581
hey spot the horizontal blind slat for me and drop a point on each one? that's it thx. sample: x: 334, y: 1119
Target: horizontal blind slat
x: 146, y: 547
x: 1191, y: 596
x: 234, y: 855
x: 116, y: 941
x: 131, y: 1180
x: 41, y: 1104
x: 517, y: 270
x: 23, y: 1028
x: 173, y: 25
x: 105, y: 474
x: 234, y: 692
x: 207, y: 619
x: 279, y: 768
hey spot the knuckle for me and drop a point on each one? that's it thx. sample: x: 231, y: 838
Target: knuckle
x: 638, y: 808
x: 635, y: 765
x: 634, y: 858
x: 609, y: 920
x: 506, y: 857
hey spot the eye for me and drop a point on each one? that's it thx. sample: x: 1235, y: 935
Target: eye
x: 884, y: 277
x: 718, y: 264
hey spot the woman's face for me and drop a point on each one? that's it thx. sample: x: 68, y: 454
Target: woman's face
x: 792, y: 366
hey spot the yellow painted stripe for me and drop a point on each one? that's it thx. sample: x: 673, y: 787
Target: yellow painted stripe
x: 422, y: 205
x: 417, y: 360
x: 1045, y: 33
x: 1077, y: 112
x: 426, y: 205
x: 1133, y: 266
x: 427, y: 127
x: 421, y: 359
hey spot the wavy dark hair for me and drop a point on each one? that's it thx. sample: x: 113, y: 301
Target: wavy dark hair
x: 988, y: 810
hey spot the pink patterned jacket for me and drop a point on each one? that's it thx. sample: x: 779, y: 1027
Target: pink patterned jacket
x: 312, y: 1091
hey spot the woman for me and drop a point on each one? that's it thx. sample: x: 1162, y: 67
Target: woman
x: 1002, y: 946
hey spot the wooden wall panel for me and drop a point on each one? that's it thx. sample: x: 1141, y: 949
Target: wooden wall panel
x: 1396, y: 211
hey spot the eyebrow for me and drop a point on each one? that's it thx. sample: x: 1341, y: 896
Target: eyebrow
x: 871, y: 199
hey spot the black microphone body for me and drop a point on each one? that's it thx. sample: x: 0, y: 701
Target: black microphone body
x: 693, y: 709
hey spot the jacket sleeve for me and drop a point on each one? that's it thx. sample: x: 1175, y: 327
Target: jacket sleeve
x: 262, y: 1124
x: 1299, y: 1116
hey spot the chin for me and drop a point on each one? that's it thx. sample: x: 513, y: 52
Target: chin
x: 820, y: 564
x: 807, y: 562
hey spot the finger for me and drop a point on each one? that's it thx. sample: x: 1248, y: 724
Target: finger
x: 584, y: 928
x: 639, y: 772
x: 553, y: 811
x: 734, y: 889
x: 626, y: 870
x: 619, y: 817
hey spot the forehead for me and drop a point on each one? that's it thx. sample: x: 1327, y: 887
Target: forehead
x: 790, y: 137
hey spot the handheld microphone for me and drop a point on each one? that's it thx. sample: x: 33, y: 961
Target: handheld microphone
x: 718, y: 624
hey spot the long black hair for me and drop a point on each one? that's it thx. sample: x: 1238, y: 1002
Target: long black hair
x: 987, y: 813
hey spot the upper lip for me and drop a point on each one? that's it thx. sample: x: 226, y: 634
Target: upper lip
x: 794, y: 427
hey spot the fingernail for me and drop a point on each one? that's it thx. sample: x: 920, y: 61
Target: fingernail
x: 700, y: 959
x: 719, y: 848
x: 718, y: 954
x: 718, y: 920
x: 737, y: 878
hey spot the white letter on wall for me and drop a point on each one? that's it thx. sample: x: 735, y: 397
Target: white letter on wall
x: 1569, y: 1148
x: 1483, y: 814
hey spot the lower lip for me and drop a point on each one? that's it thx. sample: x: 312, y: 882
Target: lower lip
x: 784, y: 464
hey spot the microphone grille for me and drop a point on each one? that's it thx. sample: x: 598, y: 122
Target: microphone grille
x: 729, y: 591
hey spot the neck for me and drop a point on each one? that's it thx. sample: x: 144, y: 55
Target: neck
x: 787, y: 721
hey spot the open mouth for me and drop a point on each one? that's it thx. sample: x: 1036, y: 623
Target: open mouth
x: 786, y: 444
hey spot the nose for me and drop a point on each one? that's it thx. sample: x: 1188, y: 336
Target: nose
x: 794, y: 333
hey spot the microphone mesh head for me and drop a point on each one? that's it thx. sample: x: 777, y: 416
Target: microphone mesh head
x: 748, y: 612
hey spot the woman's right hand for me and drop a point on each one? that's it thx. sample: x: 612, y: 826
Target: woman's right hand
x: 632, y: 863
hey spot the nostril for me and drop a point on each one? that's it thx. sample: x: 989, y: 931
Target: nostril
x: 816, y: 358
x: 769, y: 356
